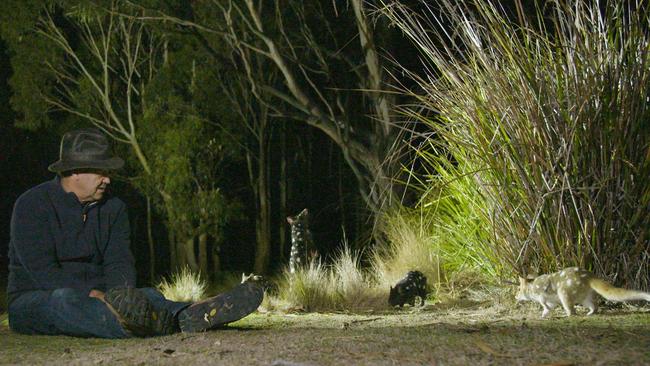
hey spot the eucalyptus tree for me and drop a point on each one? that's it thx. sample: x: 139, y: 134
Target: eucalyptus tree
x: 256, y: 118
x: 330, y: 74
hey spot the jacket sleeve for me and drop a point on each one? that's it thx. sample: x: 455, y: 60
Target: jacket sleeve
x: 34, y: 248
x: 119, y: 265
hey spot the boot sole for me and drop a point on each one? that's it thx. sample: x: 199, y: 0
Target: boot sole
x: 222, y: 309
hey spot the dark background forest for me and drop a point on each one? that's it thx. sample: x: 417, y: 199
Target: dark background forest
x: 303, y: 167
x: 319, y: 181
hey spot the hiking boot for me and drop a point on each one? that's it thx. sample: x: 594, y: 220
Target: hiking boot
x: 222, y: 309
x: 138, y: 314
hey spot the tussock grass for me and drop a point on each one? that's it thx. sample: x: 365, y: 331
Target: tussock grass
x: 411, y: 246
x: 184, y: 285
x: 310, y: 288
x: 538, y: 149
x: 340, y: 286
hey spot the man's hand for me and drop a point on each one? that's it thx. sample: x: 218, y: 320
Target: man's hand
x: 97, y: 294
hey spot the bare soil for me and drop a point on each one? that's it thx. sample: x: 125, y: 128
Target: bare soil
x: 433, y: 335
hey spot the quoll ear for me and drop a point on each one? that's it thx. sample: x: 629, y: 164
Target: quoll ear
x: 290, y: 219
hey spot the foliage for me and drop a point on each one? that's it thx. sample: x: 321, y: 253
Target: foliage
x: 184, y: 285
x: 184, y: 162
x: 18, y: 20
x: 544, y: 123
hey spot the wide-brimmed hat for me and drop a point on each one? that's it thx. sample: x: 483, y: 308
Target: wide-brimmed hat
x: 87, y: 148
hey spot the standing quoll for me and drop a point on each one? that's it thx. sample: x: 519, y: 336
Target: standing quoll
x: 572, y: 286
x: 302, y: 244
x: 405, y: 291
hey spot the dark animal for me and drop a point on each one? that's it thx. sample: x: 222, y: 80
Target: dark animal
x: 302, y: 244
x: 405, y: 291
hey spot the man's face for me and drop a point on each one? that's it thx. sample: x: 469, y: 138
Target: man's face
x: 90, y: 184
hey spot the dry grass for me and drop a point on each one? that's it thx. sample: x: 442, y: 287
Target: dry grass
x: 343, y: 285
x: 411, y: 247
x: 184, y: 285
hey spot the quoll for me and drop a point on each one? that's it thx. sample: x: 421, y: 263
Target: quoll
x: 405, y: 291
x: 302, y: 245
x: 572, y: 286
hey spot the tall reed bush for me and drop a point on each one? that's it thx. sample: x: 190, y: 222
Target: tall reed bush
x: 539, y: 124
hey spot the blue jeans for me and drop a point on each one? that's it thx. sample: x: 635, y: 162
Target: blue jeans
x: 74, y: 313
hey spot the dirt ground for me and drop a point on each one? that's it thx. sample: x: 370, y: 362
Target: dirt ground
x: 433, y: 335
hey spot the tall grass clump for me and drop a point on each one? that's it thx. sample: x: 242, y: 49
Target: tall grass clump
x: 343, y: 285
x: 308, y: 288
x: 184, y: 285
x: 539, y: 124
x: 409, y: 247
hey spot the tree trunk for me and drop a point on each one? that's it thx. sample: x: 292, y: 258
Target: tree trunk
x: 364, y: 153
x: 216, y: 259
x: 283, y: 190
x: 203, y: 254
x: 263, y: 230
x: 152, y: 251
x: 190, y: 255
x: 174, y: 261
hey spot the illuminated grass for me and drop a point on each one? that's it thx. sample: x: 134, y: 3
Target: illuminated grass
x: 340, y: 286
x: 184, y: 285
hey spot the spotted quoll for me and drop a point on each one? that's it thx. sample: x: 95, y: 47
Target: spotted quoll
x: 405, y: 291
x: 572, y: 286
x: 302, y: 245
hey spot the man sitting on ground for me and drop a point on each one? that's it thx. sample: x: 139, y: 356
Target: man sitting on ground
x: 71, y: 270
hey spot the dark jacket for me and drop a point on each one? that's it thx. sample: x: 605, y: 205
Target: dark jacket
x: 57, y: 242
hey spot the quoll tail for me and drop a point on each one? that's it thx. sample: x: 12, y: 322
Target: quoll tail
x: 612, y: 293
